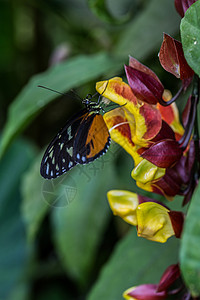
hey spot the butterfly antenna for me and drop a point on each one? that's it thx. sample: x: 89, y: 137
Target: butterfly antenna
x: 77, y: 95
x: 47, y: 88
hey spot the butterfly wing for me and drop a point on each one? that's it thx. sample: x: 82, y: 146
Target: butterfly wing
x: 92, y: 139
x: 58, y: 157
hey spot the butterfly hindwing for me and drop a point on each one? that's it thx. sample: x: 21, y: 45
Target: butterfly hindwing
x: 92, y: 139
x: 59, y: 158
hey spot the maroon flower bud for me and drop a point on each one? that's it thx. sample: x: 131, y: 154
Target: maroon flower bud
x: 177, y: 177
x: 164, y: 153
x: 168, y: 278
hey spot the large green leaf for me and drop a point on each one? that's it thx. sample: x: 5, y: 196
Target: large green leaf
x: 33, y: 206
x: 190, y: 246
x: 134, y: 261
x: 62, y: 77
x: 79, y: 226
x: 40, y: 196
x: 190, y: 36
x: 144, y: 34
x: 14, y: 252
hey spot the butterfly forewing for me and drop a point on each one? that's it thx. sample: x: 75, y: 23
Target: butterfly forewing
x: 92, y: 139
x: 84, y: 138
x: 59, y: 158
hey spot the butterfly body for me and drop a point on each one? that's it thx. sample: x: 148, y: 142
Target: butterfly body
x: 83, y: 139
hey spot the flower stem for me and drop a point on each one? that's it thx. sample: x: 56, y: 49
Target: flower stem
x: 173, y: 99
x: 192, y: 115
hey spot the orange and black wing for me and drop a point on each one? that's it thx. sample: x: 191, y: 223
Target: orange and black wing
x: 59, y: 155
x: 92, y: 139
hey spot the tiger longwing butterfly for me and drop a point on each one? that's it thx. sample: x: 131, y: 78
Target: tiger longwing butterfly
x: 83, y: 139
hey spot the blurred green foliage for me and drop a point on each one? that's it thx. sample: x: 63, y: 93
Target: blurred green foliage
x: 58, y: 240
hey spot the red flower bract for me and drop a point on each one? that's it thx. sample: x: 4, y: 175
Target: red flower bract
x: 164, y: 153
x: 144, y: 86
x: 172, y: 58
x: 168, y: 278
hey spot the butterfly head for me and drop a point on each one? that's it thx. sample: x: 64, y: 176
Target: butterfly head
x: 92, y: 105
x: 87, y: 100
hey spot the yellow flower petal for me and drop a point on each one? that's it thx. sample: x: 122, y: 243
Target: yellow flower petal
x: 120, y: 92
x: 154, y: 222
x: 146, y: 172
x: 145, y: 186
x: 116, y: 90
x: 120, y: 131
x: 124, y: 204
x: 145, y: 118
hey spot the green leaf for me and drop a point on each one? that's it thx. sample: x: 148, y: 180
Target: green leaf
x: 14, y: 252
x: 34, y: 207
x: 62, y: 77
x: 134, y: 261
x: 190, y: 36
x: 190, y: 246
x: 79, y: 226
x: 40, y: 196
x: 144, y: 34
x: 100, y: 9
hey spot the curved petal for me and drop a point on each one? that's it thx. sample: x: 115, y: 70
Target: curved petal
x: 163, y: 153
x: 144, y: 86
x: 134, y: 63
x: 122, y: 131
x: 153, y: 120
x: 124, y: 204
x: 146, y: 172
x: 171, y: 274
x: 172, y: 58
x: 154, y: 222
x: 144, y: 292
x: 116, y: 90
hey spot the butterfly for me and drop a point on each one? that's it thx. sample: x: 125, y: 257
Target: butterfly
x: 83, y: 139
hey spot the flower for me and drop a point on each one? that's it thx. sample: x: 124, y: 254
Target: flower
x: 144, y: 292
x: 154, y: 220
x: 124, y: 204
x: 149, y: 133
x: 157, y: 291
